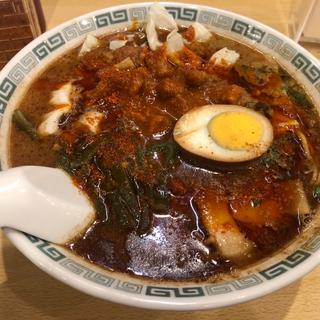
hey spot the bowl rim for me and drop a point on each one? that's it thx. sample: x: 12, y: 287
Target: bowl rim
x: 157, y: 302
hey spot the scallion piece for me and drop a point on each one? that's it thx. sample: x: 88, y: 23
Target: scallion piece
x: 24, y: 124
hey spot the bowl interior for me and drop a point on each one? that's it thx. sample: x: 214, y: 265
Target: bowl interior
x: 291, y: 263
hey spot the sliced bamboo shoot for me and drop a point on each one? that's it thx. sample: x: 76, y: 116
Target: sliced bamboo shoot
x: 223, y: 230
x: 304, y: 144
x: 296, y: 201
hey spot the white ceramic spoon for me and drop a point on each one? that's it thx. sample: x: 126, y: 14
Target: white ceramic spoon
x: 43, y: 202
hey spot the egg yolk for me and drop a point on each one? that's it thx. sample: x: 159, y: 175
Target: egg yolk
x: 235, y: 130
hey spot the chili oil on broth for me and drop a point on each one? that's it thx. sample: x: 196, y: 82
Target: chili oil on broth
x: 151, y: 196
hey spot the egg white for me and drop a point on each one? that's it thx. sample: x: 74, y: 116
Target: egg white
x: 192, y: 134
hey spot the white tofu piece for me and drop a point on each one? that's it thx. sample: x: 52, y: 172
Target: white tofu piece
x: 89, y: 44
x: 202, y: 34
x: 126, y: 63
x: 116, y: 44
x: 174, y: 42
x: 62, y: 96
x: 298, y: 202
x: 49, y: 125
x: 62, y: 102
x: 225, y: 58
x: 222, y: 229
x: 92, y: 119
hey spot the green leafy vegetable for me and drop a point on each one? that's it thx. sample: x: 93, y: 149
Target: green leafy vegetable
x: 125, y: 202
x: 280, y: 156
x: 168, y: 149
x: 256, y: 72
x: 298, y: 96
x: 316, y: 192
x: 140, y: 157
x: 116, y: 191
x: 63, y: 162
x: 82, y: 154
x: 85, y: 156
x: 264, y: 108
x: 157, y: 197
x: 24, y: 124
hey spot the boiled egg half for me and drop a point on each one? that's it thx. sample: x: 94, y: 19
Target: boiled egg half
x: 226, y: 133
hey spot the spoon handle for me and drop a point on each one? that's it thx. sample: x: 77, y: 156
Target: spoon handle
x: 12, y: 197
x: 43, y: 202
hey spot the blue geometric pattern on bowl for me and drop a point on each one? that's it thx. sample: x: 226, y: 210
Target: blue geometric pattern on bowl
x: 247, y: 30
x: 272, y: 272
x: 221, y: 21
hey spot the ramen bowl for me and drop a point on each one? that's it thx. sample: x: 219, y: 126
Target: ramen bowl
x: 293, y: 261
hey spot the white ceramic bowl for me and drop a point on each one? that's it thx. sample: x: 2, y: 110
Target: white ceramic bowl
x: 291, y: 263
